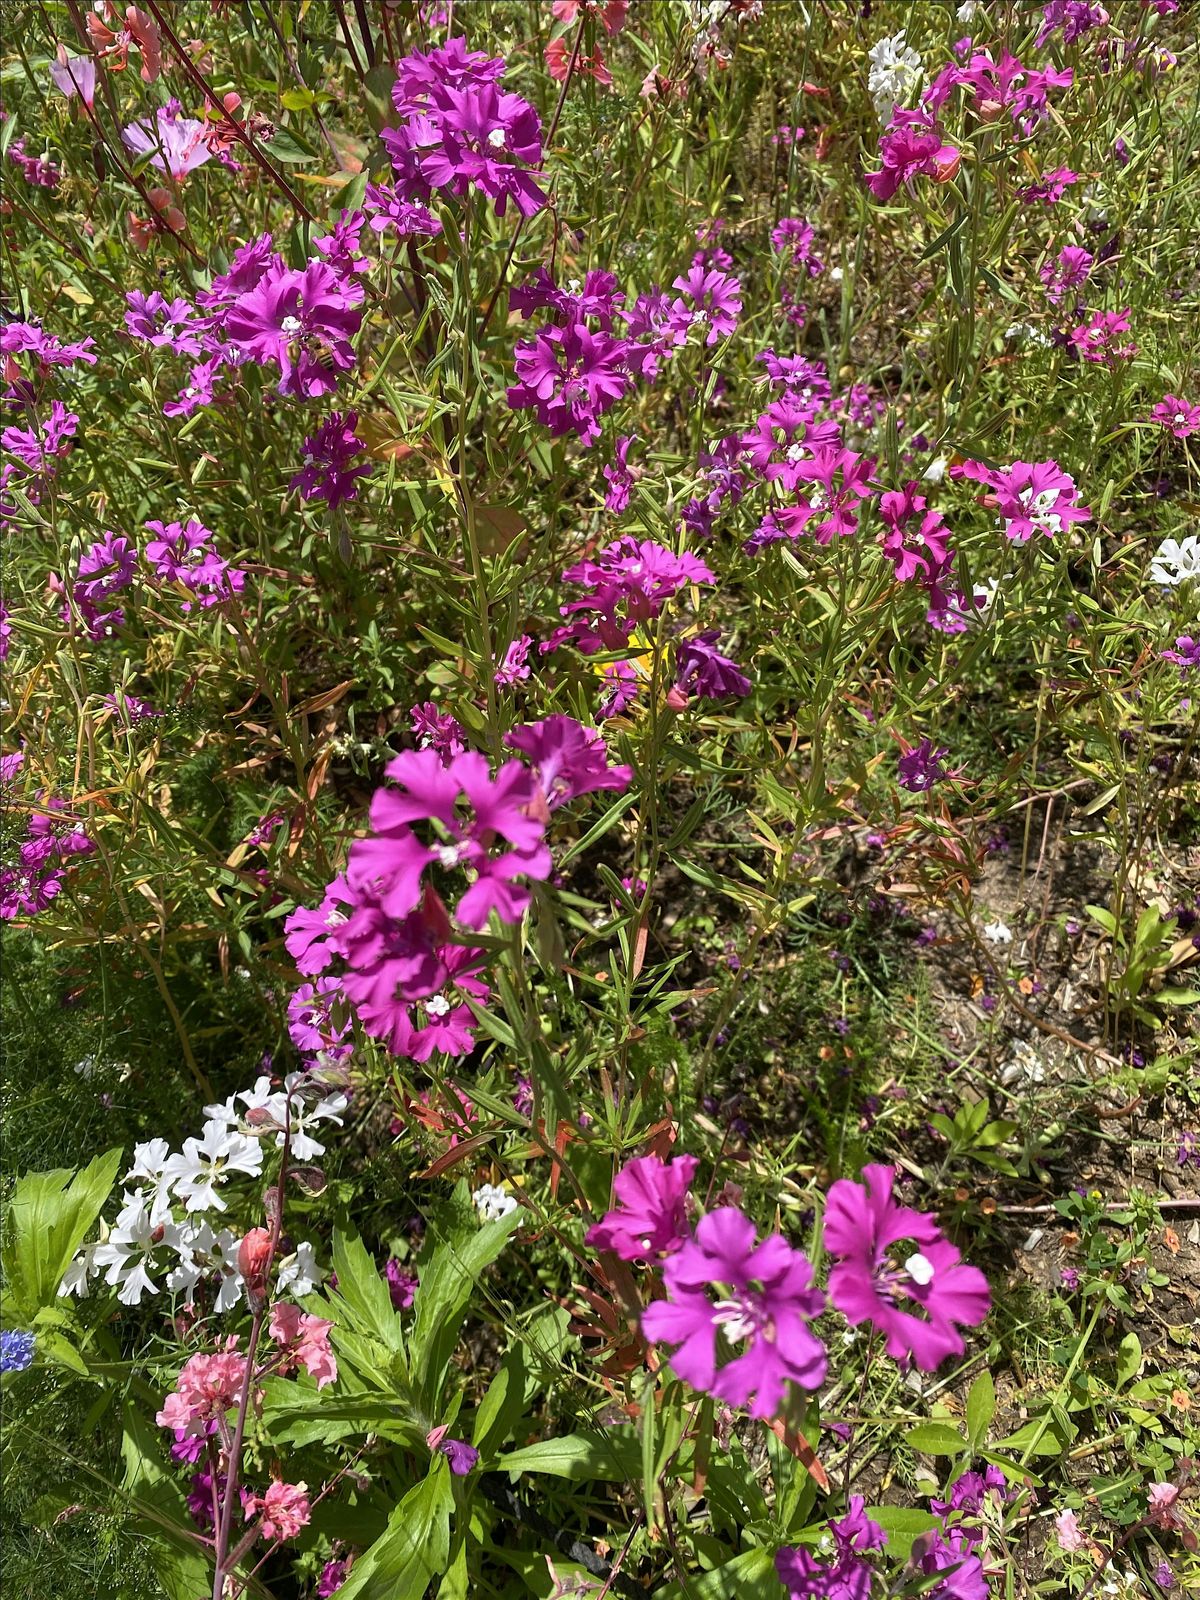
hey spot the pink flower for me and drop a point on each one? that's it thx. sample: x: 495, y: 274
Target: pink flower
x: 434, y: 729
x: 651, y: 1218
x: 1177, y: 416
x: 708, y: 299
x: 326, y: 473
x: 1069, y: 271
x: 1068, y: 1532
x: 284, y: 1510
x: 621, y: 476
x: 841, y: 479
x: 1161, y: 1498
x: 757, y: 1294
x: 849, y: 1575
x: 862, y: 1227
x: 73, y: 75
x: 700, y: 667
x: 303, y: 1341
x: 209, y: 1384
x: 610, y: 12
x: 570, y: 377
x: 1030, y: 497
x: 919, y: 552
x: 174, y: 143
x: 515, y: 666
x: 1050, y: 188
x: 402, y: 1283
x: 558, y: 63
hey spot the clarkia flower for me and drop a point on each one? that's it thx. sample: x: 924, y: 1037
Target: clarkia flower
x: 434, y: 729
x: 724, y: 1284
x: 1099, y: 338
x: 1069, y: 270
x: 74, y: 75
x: 1030, y: 497
x: 302, y: 321
x: 160, y: 322
x: 863, y: 1228
x: 651, y: 1218
x: 1050, y: 188
x: 948, y: 1554
x: 921, y: 767
x: 567, y: 759
x: 700, y: 668
x: 1178, y: 417
x: 708, y: 299
x: 326, y: 473
x: 1176, y: 561
x: 912, y: 147
x: 283, y: 1511
x: 570, y: 376
x: 174, y: 143
x: 402, y: 1283
x: 849, y: 1575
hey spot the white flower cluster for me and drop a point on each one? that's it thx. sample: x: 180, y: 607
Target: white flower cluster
x: 492, y: 1202
x: 896, y: 73
x: 162, y: 1228
x: 1176, y: 561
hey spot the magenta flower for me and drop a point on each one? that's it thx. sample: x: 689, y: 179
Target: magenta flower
x: 415, y: 1028
x: 1030, y: 497
x: 863, y: 1227
x: 342, y: 246
x: 849, y: 1575
x: 434, y: 729
x: 651, y: 1218
x: 309, y: 933
x: 1177, y: 416
x: 570, y: 377
x: 921, y: 767
x: 326, y: 473
x: 1186, y: 653
x: 911, y: 148
x: 568, y: 760
x: 174, y: 143
x: 794, y: 237
x: 918, y: 552
x: 19, y: 337
x: 656, y: 329
x: 302, y: 321
x: 389, y: 213
x: 184, y: 555
x: 947, y: 1552
x: 621, y: 477
x: 831, y: 510
x: 393, y: 859
x: 701, y: 668
x: 1099, y: 338
x: 105, y: 569
x: 1068, y: 271
x: 461, y: 1456
x: 708, y: 299
x: 751, y: 1294
x: 314, y: 1025
x: 402, y: 1283
x: 599, y: 298
x: 170, y: 323
x: 1049, y: 188
x: 40, y: 447
x: 999, y: 86
x: 39, y: 171
x: 514, y: 668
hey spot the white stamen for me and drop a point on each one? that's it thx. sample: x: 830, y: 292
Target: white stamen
x: 291, y: 325
x: 437, y: 1005
x: 496, y: 138
x: 919, y: 1269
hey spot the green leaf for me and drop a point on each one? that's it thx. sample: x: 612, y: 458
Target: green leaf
x: 1129, y: 1359
x: 1049, y: 1444
x: 612, y: 1456
x: 1105, y: 919
x: 49, y: 1216
x: 361, y: 1300
x: 935, y: 1439
x: 902, y: 1524
x: 412, y: 1549
x: 448, y: 1280
x: 1171, y: 996
x: 503, y: 1405
x: 289, y: 148
x: 750, y: 1576
x: 981, y: 1408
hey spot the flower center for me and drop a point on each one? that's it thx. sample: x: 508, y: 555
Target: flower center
x: 437, y: 1005
x: 290, y: 325
x: 496, y: 138
x: 449, y: 855
x: 742, y: 1318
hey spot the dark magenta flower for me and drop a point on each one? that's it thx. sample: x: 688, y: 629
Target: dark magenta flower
x: 621, y: 476
x: 1069, y: 270
x: 389, y: 213
x: 921, y: 767
x: 570, y: 377
x: 402, y: 1283
x: 333, y: 1576
x: 568, y: 760
x: 724, y: 1285
x: 841, y: 481
x: 1186, y: 653
x: 319, y: 1021
x: 435, y: 729
x: 710, y: 300
x: 1030, y: 497
x: 1049, y: 188
x: 342, y: 246
x: 1177, y: 416
x: 326, y: 473
x: 170, y: 323
x: 19, y: 337
x: 947, y: 1553
x: 864, y: 1227
x: 461, y: 1456
x: 105, y: 568
x: 848, y: 1576
x: 700, y: 668
x: 912, y: 147
x: 651, y: 1217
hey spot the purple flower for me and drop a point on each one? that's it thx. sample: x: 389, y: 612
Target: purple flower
x: 921, y: 767
x: 312, y: 1020
x: 437, y: 730
x: 1069, y: 270
x: 19, y: 337
x: 848, y: 1577
x: 333, y: 1576
x: 700, y: 667
x: 794, y: 236
x: 1098, y: 340
x: 342, y: 246
x: 39, y: 448
x: 1186, y: 652
x: 621, y: 476
x: 570, y: 377
x: 73, y: 75
x: 760, y: 1295
x: 969, y: 1491
x: 651, y: 1218
x: 863, y: 1227
x: 183, y: 555
x: 390, y: 213
x: 461, y: 1456
x: 402, y: 1283
x: 598, y: 298
x: 1050, y: 188
x: 568, y: 759
x: 172, y: 323
x: 16, y: 1350
x: 628, y: 583
x: 326, y: 473
x: 302, y: 321
x: 910, y: 148
x: 1178, y: 417
x: 174, y: 143
x: 37, y: 170
x: 1188, y: 1151
x: 105, y: 569
x: 948, y: 1553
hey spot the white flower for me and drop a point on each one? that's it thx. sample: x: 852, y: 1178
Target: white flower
x: 149, y: 1166
x: 81, y: 1270
x: 128, y: 1252
x: 207, y: 1162
x: 1175, y: 561
x: 936, y: 470
x: 203, y: 1253
x: 895, y: 72
x: 997, y: 932
x: 968, y: 11
x: 1025, y: 332
x: 493, y: 1202
x: 300, y: 1274
x: 287, y: 1110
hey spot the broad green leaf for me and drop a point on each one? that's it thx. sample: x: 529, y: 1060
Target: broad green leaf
x: 750, y: 1576
x: 49, y: 1216
x: 902, y: 1524
x: 361, y: 1300
x: 1129, y: 1359
x: 613, y: 1456
x: 502, y: 1406
x: 412, y: 1549
x: 981, y: 1408
x: 935, y: 1439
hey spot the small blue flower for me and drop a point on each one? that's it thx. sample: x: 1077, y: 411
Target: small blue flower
x: 16, y: 1350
